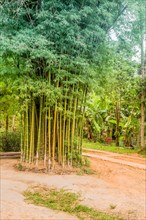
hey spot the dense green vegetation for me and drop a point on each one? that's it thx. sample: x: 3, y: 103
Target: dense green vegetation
x: 10, y: 141
x: 109, y: 147
x: 62, y: 200
x: 63, y: 76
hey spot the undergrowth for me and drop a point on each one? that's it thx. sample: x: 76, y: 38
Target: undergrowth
x: 79, y: 169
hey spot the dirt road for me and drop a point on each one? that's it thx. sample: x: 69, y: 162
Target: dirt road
x: 113, y: 185
x: 133, y: 161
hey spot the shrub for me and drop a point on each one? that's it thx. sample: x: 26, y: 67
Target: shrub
x: 10, y: 141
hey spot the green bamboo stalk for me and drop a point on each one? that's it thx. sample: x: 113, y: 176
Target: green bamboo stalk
x: 70, y: 150
x: 60, y: 139
x: 63, y: 133
x: 54, y: 137
x: 22, y: 140
x: 34, y: 127
x: 54, y: 133
x: 32, y: 134
x: 73, y: 124
x: 39, y: 133
x: 68, y: 137
x: 49, y: 139
x: 45, y: 139
x: 49, y: 131
x: 42, y: 146
x: 83, y: 116
x: 27, y: 135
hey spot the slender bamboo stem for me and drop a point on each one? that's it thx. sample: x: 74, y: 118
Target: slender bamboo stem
x: 31, y: 134
x: 27, y: 135
x: 63, y: 133
x: 54, y: 133
x: 49, y: 139
x: 45, y: 139
x: 39, y: 133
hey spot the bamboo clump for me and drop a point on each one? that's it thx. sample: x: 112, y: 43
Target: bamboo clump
x: 52, y: 122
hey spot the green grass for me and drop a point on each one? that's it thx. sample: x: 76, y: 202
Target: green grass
x: 85, y: 170
x: 65, y: 201
x: 110, y: 148
x: 143, y: 152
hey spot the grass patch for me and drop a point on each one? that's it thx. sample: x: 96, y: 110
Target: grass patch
x: 85, y: 170
x: 142, y: 152
x: 110, y: 148
x: 19, y: 167
x: 65, y: 201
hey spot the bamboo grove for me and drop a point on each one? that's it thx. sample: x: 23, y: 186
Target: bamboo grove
x: 52, y: 119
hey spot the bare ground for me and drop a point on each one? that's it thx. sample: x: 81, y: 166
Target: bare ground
x: 115, y: 188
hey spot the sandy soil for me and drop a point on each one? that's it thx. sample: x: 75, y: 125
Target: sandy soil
x: 114, y: 184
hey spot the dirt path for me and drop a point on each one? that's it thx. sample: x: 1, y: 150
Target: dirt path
x: 133, y: 161
x: 113, y: 185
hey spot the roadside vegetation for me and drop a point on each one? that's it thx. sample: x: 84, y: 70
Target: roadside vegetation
x: 112, y: 148
x: 62, y: 200
x: 108, y: 147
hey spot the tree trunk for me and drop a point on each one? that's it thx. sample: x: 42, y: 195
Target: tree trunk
x: 117, y: 123
x: 7, y: 123
x: 13, y: 123
x: 142, y: 121
x: 142, y: 80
